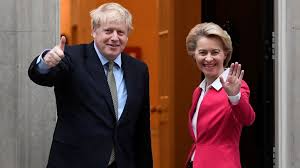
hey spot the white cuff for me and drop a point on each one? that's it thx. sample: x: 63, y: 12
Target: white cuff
x: 234, y: 100
x: 42, y: 66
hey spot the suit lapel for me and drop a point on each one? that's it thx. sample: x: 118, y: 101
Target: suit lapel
x: 129, y: 82
x: 95, y: 68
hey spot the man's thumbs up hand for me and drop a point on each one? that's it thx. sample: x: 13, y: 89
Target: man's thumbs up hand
x: 56, y: 54
x: 62, y: 43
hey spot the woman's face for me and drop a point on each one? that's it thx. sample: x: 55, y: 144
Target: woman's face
x: 209, y: 56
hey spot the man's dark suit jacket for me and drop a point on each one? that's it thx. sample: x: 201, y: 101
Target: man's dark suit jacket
x: 86, y: 128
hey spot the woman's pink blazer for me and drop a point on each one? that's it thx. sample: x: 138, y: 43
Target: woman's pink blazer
x: 219, y: 127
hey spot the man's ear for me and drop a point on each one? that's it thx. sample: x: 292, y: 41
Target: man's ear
x: 93, y: 34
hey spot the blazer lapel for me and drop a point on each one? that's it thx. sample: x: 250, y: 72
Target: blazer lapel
x: 95, y: 68
x: 195, y: 99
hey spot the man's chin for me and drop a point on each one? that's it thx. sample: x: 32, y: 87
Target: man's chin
x: 112, y: 56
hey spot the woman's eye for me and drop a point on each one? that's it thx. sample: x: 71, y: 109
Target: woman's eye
x: 202, y: 53
x: 215, y: 52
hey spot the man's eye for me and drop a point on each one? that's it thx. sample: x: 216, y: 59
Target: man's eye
x: 108, y: 31
x: 120, y: 33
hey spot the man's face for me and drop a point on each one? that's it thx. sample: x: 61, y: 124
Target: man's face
x: 111, y: 39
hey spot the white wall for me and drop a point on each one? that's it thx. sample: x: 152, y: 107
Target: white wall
x: 27, y: 111
x: 293, y: 48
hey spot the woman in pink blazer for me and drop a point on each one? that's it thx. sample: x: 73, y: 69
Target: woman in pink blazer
x: 220, y: 105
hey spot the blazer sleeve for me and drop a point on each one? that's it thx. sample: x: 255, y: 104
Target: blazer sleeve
x: 243, y: 111
x: 55, y: 76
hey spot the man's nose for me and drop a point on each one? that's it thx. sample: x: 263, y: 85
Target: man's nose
x: 115, y: 35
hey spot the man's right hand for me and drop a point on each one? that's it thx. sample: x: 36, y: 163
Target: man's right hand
x: 56, y: 54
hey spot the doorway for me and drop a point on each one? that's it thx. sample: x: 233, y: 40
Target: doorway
x: 250, y: 25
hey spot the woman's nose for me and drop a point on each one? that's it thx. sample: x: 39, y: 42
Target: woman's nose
x: 208, y: 57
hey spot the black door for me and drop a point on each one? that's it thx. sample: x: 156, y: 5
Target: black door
x: 250, y: 25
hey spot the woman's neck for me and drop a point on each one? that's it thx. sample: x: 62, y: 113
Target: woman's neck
x: 209, y: 81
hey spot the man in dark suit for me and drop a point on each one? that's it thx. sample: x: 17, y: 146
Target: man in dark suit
x: 102, y: 97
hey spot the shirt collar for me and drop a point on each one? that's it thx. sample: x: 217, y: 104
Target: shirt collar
x: 104, y: 60
x: 217, y: 83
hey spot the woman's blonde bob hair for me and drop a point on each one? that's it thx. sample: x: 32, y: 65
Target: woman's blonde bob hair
x: 110, y: 12
x: 209, y: 30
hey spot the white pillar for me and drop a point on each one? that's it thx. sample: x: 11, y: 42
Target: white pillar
x: 281, y: 120
x: 287, y: 28
x: 27, y: 111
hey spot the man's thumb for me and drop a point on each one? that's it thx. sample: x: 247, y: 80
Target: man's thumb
x: 62, y: 43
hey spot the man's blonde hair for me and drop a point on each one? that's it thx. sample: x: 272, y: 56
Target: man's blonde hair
x: 110, y: 12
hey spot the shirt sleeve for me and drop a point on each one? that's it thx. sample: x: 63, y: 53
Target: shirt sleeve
x: 42, y: 66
